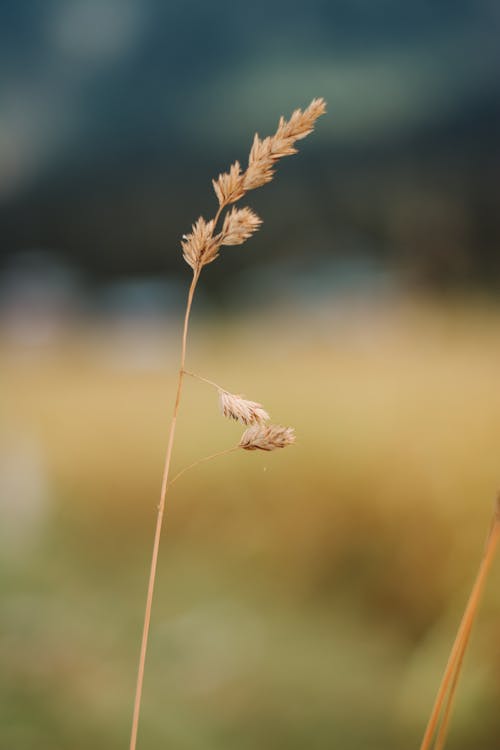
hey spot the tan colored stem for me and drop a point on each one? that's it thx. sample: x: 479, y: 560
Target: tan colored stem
x: 204, y: 380
x: 202, y: 461
x: 159, y: 519
x: 477, y: 590
x: 445, y: 719
x: 452, y: 670
x: 218, y: 214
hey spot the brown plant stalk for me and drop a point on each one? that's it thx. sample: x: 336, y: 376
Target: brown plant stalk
x: 159, y: 520
x: 201, y: 247
x: 449, y: 681
x: 202, y: 461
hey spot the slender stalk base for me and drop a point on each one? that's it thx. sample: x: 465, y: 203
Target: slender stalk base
x: 202, y: 461
x: 451, y: 674
x: 159, y: 520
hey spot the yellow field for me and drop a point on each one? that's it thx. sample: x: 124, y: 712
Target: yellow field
x: 306, y: 598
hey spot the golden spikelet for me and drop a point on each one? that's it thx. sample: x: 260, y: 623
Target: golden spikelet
x: 241, y: 409
x: 260, y: 164
x: 202, y: 246
x: 239, y: 224
x: 229, y: 186
x: 266, y: 437
x: 265, y: 153
x: 300, y: 123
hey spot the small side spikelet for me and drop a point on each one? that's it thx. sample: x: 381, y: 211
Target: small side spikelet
x: 240, y: 409
x: 200, y: 247
x: 239, y: 224
x: 229, y: 186
x: 266, y: 437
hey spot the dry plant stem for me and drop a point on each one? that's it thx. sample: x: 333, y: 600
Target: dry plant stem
x: 452, y: 671
x: 204, y: 380
x: 202, y: 461
x: 159, y: 519
x: 446, y: 714
x: 200, y: 247
x: 486, y: 562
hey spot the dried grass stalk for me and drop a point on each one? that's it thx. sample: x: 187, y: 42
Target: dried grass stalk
x: 240, y: 409
x: 266, y: 437
x: 443, y: 703
x: 200, y: 247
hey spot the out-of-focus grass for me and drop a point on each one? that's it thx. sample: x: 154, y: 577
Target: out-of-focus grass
x: 306, y: 598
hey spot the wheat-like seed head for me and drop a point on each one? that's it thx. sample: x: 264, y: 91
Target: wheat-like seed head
x: 201, y: 246
x: 241, y: 409
x: 266, y: 437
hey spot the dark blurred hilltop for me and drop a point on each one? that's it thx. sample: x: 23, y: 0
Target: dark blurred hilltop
x: 116, y: 114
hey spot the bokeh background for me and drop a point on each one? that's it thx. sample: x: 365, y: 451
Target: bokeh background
x: 306, y: 598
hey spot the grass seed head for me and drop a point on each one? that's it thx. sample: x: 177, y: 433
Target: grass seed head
x: 229, y: 186
x: 202, y: 245
x: 239, y: 224
x: 266, y: 437
x: 241, y: 409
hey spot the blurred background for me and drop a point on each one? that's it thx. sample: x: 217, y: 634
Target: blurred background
x: 305, y: 598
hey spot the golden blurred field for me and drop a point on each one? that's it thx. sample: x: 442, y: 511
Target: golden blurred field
x: 306, y: 598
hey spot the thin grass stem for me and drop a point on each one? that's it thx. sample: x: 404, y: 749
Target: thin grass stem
x: 452, y: 671
x: 204, y: 380
x: 485, y: 565
x: 159, y: 520
x: 202, y: 461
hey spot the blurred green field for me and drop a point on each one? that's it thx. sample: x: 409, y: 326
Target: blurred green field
x: 305, y: 598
